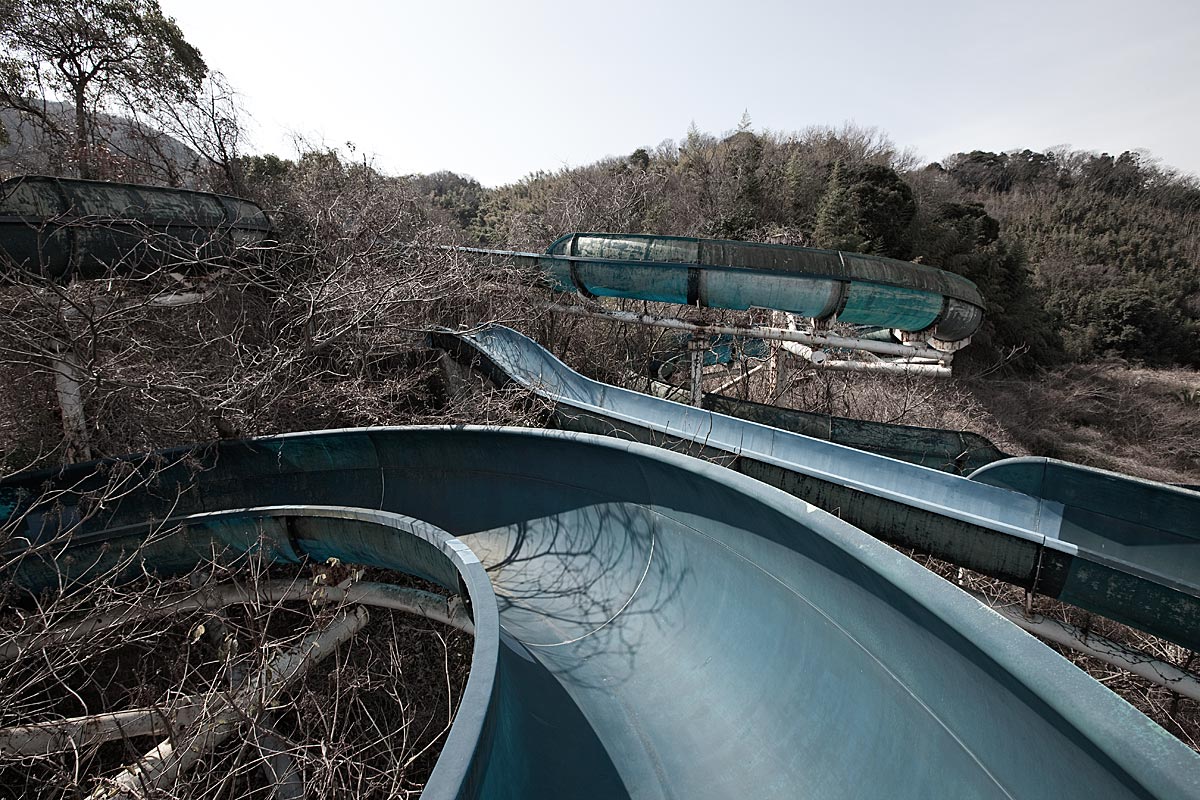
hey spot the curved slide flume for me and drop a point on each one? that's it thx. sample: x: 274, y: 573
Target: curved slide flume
x: 1124, y: 548
x: 655, y: 626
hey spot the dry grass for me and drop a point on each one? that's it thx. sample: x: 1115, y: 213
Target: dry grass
x: 1133, y: 420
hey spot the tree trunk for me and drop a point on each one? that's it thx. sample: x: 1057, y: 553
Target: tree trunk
x: 69, y: 380
x: 83, y: 157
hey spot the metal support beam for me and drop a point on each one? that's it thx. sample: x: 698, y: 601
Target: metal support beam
x: 814, y: 339
x: 697, y: 345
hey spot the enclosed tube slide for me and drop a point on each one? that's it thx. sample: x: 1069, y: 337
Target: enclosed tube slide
x: 647, y: 625
x: 924, y: 303
x: 1121, y: 547
x: 64, y: 228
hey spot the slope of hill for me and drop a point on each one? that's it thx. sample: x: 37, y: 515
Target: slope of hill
x: 130, y: 151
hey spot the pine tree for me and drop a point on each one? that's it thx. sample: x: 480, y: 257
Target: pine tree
x: 837, y: 221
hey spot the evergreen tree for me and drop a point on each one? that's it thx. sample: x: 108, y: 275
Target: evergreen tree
x: 837, y: 222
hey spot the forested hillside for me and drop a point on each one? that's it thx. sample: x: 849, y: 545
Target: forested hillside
x: 1086, y: 261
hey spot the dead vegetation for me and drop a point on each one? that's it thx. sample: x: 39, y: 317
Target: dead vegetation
x: 1113, y: 415
x: 154, y: 688
x: 326, y: 330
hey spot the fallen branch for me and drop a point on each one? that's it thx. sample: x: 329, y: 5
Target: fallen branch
x: 163, y: 765
x: 74, y: 733
x: 450, y: 611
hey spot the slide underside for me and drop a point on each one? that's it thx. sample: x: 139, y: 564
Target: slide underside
x: 648, y: 625
x: 958, y: 452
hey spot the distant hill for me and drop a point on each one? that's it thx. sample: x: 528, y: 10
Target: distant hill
x: 134, y: 152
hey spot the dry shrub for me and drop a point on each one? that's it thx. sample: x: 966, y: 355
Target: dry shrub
x: 1138, y: 421
x: 325, y: 330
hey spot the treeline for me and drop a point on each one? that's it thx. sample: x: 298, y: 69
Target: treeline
x: 1080, y: 256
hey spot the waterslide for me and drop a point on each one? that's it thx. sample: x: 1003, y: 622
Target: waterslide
x: 648, y: 625
x: 1124, y: 548
x: 68, y: 228
x: 959, y: 452
x: 922, y: 303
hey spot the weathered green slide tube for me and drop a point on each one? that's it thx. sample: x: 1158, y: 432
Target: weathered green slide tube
x: 656, y: 626
x: 819, y: 284
x: 64, y: 227
x: 929, y: 304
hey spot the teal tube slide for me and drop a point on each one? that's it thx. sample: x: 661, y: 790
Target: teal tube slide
x: 940, y: 307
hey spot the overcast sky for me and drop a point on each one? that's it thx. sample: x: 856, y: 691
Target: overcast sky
x: 498, y: 89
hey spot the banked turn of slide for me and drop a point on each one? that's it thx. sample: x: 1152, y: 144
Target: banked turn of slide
x: 647, y: 625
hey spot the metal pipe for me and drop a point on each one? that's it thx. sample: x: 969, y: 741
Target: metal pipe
x: 815, y: 339
x: 926, y: 370
x: 1063, y: 633
x: 779, y: 373
x: 910, y: 366
x: 738, y: 379
x: 805, y: 352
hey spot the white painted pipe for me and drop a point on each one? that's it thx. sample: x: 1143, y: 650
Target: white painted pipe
x: 1063, y: 633
x: 814, y: 339
x: 821, y: 359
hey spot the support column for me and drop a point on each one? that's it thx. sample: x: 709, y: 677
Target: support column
x: 697, y: 346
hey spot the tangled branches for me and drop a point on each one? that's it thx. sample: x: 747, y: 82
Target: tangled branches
x: 237, y: 680
x: 324, y: 328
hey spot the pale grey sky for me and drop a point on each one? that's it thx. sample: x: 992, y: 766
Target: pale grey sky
x: 499, y: 89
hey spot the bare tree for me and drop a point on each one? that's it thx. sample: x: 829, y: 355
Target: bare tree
x: 324, y: 329
x: 86, y: 54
